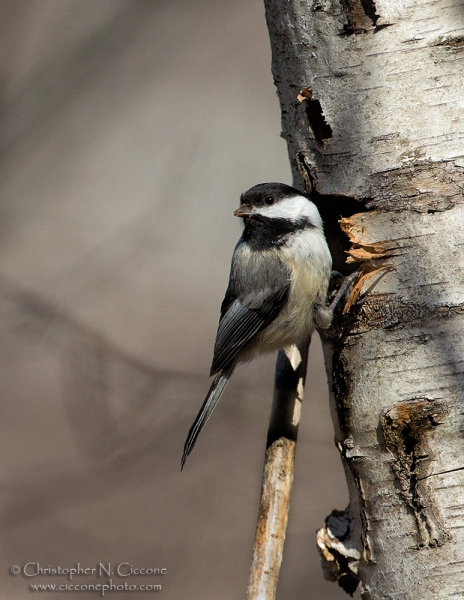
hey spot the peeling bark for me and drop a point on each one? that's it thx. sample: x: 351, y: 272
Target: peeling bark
x: 371, y: 98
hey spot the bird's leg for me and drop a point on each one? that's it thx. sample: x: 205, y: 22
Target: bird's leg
x: 344, y: 288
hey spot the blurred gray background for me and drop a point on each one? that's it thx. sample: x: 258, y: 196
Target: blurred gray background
x: 128, y: 130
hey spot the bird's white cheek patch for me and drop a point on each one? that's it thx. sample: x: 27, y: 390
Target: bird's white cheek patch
x: 294, y: 208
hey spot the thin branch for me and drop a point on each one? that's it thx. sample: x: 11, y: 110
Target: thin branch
x: 278, y: 472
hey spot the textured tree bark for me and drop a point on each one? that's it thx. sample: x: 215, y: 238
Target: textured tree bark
x: 372, y: 110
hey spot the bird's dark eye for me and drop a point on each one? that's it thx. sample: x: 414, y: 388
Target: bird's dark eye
x: 269, y: 201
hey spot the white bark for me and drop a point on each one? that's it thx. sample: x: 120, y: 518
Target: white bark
x: 372, y: 102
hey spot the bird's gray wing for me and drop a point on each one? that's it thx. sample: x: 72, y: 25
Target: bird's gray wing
x: 256, y: 294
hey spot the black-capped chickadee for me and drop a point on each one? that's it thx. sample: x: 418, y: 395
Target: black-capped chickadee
x: 277, y: 291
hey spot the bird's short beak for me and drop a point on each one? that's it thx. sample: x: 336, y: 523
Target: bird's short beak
x: 244, y: 211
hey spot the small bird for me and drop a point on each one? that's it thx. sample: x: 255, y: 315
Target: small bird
x: 277, y: 293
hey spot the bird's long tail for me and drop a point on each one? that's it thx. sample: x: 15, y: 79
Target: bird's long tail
x: 212, y: 398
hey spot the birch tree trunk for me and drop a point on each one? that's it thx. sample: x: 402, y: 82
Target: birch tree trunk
x: 372, y: 98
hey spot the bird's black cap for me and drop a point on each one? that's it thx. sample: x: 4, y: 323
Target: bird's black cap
x: 261, y: 194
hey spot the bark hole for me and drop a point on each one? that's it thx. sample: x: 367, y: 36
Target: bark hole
x: 317, y: 121
x: 360, y: 15
x: 370, y: 10
x: 331, y: 207
x: 315, y: 115
x: 409, y: 443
